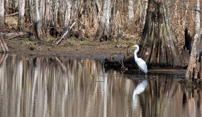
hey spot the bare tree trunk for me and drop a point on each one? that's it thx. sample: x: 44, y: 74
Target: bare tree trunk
x: 30, y: 9
x: 130, y: 10
x: 21, y: 18
x: 6, y: 6
x: 42, y: 10
x: 55, y: 13
x: 157, y: 46
x: 2, y: 20
x: 192, y: 69
x: 104, y: 28
x: 67, y: 13
x: 145, y: 14
x: 28, y: 18
x: 38, y: 21
x: 61, y: 12
x: 13, y: 6
x: 47, y: 16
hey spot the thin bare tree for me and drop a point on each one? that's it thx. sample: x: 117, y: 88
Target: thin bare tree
x: 38, y: 21
x: 21, y: 18
x: 67, y: 13
x: 47, y: 17
x: 2, y: 20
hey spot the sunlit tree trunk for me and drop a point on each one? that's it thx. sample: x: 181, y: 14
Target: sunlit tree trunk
x: 42, y: 15
x: 42, y: 10
x: 107, y: 15
x: 55, y: 16
x: 145, y: 13
x: 192, y: 67
x: 47, y: 16
x: 30, y: 9
x: 104, y: 24
x: 157, y: 46
x: 67, y: 13
x: 130, y: 10
x: 38, y: 21
x: 2, y: 21
x: 21, y: 18
x: 6, y: 6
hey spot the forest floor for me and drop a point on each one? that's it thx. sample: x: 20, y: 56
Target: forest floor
x: 69, y: 48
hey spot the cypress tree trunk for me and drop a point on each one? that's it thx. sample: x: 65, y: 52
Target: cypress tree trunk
x: 104, y: 24
x: 192, y: 69
x: 2, y: 21
x: 47, y: 17
x: 157, y: 46
x: 38, y: 21
x: 67, y: 13
x: 21, y: 18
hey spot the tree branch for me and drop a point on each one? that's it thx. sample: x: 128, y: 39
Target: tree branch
x: 65, y: 33
x: 185, y: 9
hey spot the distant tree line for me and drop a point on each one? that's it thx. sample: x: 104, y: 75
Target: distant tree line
x: 94, y: 18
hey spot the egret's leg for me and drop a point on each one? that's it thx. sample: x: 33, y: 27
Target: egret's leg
x: 145, y: 76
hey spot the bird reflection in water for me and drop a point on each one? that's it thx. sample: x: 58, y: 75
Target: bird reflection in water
x: 138, y: 90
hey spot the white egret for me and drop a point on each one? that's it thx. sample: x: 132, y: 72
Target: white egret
x: 139, y: 61
x: 138, y: 90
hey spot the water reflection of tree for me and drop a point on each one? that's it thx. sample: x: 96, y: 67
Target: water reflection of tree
x: 59, y: 86
x: 164, y: 97
x: 46, y: 86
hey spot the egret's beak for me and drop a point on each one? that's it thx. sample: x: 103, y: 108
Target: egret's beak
x: 131, y: 47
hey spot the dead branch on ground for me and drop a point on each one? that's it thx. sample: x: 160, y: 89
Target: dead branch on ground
x: 65, y: 33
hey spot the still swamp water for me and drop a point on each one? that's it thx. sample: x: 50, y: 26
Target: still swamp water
x: 60, y: 86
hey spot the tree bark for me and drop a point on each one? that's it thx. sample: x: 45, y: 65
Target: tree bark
x: 42, y: 9
x: 47, y: 16
x: 38, y: 21
x: 130, y: 10
x: 67, y: 13
x: 157, y: 46
x: 145, y: 14
x: 104, y: 24
x: 193, y: 65
x: 2, y: 20
x: 30, y: 9
x: 55, y: 18
x: 21, y: 18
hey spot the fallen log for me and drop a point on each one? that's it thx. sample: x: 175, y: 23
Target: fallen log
x: 11, y: 35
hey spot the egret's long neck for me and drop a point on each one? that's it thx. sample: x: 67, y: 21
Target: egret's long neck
x: 135, y: 54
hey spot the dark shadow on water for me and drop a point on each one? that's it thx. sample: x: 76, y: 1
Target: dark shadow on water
x: 59, y: 86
